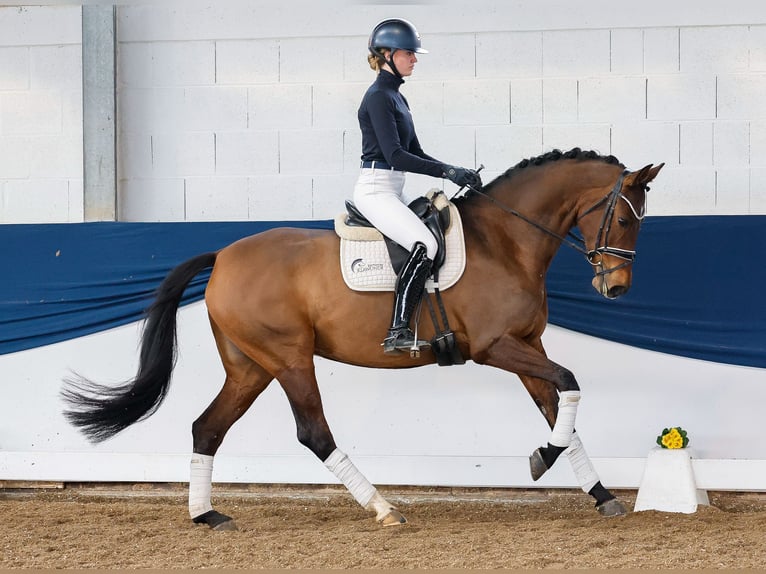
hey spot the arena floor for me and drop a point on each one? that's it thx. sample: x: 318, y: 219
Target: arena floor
x: 147, y: 526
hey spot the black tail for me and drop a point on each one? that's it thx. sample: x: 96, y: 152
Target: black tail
x: 101, y: 411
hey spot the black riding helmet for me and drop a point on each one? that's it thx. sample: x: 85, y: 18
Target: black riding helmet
x: 394, y: 34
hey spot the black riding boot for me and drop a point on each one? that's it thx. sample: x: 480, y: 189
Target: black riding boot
x: 409, y: 287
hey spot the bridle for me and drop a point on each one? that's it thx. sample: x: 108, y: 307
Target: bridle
x: 594, y: 256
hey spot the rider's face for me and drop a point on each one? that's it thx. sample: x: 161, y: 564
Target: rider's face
x: 404, y: 60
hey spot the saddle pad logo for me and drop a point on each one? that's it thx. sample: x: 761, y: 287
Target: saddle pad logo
x: 361, y: 266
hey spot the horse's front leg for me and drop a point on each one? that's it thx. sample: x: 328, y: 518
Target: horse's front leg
x: 547, y: 401
x: 559, y: 390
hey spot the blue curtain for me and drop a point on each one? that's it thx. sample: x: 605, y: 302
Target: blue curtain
x: 697, y: 283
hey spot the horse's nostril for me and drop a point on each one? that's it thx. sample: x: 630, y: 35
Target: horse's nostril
x: 616, y: 291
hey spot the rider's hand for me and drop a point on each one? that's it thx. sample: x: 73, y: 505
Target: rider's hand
x: 462, y: 177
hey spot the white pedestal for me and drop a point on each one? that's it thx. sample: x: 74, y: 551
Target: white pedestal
x: 668, y: 483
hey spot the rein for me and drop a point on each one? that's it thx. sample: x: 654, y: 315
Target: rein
x: 594, y: 256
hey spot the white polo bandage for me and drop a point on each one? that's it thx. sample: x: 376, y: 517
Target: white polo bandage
x: 565, y: 420
x: 359, y: 487
x: 200, y: 484
x: 581, y: 464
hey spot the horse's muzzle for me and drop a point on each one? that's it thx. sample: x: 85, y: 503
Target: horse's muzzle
x: 602, y: 284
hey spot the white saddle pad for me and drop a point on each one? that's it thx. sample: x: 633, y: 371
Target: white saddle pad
x: 366, y: 266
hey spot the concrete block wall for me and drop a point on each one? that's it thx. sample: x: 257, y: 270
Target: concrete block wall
x: 40, y: 114
x: 247, y: 110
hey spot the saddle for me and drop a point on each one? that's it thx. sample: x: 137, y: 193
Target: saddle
x: 433, y: 211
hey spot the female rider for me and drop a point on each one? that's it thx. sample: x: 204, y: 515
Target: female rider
x: 390, y: 148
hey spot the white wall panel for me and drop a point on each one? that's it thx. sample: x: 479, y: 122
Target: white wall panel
x: 586, y: 136
x: 681, y: 97
x: 212, y: 108
x: 741, y: 96
x: 731, y: 144
x: 216, y: 198
x: 55, y: 67
x: 501, y: 147
x: 183, y: 63
x: 426, y: 100
x: 574, y: 53
x: 31, y: 112
x: 613, y: 100
x: 280, y: 197
x: 757, y: 190
x: 192, y: 154
x: 696, y: 143
x: 282, y: 106
x: 247, y: 61
x: 732, y: 191
x: 247, y: 152
x: 630, y: 139
x: 309, y: 152
x: 335, y: 105
x: 627, y: 51
x: 714, y: 49
x: 758, y: 143
x: 152, y: 200
x: 661, y: 54
x: 527, y: 101
x: 684, y: 191
x: 509, y: 54
x: 559, y: 100
x: 451, y: 57
x: 36, y: 201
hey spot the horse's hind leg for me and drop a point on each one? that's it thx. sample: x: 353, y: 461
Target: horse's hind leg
x: 300, y: 386
x: 245, y: 380
x: 546, y: 399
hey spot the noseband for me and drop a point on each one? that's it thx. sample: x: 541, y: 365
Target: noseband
x: 594, y: 256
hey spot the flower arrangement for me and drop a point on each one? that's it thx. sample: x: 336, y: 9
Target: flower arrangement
x: 674, y: 437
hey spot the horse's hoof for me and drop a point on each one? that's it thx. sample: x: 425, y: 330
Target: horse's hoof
x: 393, y: 518
x: 228, y: 526
x: 216, y: 521
x: 537, y: 466
x: 612, y: 507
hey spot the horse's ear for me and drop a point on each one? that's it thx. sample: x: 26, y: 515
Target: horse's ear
x: 643, y: 175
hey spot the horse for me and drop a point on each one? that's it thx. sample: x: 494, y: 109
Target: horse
x: 277, y: 298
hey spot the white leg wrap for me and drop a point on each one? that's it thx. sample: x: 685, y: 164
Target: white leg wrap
x: 581, y: 464
x: 565, y: 421
x: 380, y: 506
x: 200, y: 484
x: 359, y: 487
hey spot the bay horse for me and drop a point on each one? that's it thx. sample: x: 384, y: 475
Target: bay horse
x: 277, y: 298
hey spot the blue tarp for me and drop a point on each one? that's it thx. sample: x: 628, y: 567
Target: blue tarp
x: 697, y: 283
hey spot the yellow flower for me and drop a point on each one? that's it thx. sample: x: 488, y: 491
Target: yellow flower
x: 673, y: 438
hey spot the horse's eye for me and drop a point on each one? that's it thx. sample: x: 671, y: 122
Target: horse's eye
x: 622, y: 221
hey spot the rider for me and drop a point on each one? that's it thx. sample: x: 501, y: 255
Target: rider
x: 389, y: 149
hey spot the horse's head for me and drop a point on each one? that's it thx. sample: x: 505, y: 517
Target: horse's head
x: 610, y: 229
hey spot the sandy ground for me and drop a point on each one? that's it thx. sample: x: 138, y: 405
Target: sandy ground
x: 287, y: 527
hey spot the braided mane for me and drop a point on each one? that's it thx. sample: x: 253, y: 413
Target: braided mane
x: 551, y: 156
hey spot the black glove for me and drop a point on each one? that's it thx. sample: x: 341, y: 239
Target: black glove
x: 462, y: 177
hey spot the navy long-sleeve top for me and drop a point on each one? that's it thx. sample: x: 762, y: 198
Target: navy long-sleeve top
x: 388, y: 132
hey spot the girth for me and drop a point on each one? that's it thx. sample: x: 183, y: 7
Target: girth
x: 436, y: 219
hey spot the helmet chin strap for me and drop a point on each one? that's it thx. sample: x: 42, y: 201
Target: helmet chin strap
x: 389, y: 62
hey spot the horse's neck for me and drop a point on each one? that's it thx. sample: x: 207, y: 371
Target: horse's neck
x: 547, y: 196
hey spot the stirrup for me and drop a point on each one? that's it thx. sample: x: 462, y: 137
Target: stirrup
x: 403, y: 340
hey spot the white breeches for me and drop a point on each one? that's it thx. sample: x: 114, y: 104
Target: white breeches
x: 378, y: 195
